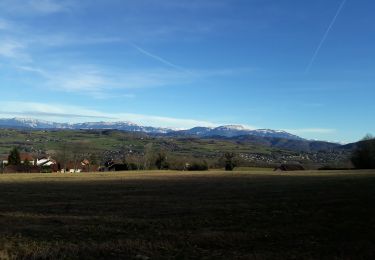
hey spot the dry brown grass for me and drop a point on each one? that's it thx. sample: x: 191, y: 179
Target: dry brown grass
x: 184, y: 215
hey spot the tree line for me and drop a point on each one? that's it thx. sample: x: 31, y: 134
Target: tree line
x: 150, y: 159
x: 363, y: 157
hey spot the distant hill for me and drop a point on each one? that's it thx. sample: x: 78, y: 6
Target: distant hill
x: 300, y: 145
x: 261, y: 137
x: 225, y: 131
x: 351, y: 146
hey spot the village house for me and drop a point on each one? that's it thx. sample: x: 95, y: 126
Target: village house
x: 72, y: 167
x: 45, y: 161
x: 24, y: 157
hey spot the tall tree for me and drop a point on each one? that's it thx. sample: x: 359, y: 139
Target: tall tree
x: 14, y: 157
x: 229, y: 161
x: 147, y: 158
x: 161, y: 161
x: 93, y: 161
x: 78, y: 152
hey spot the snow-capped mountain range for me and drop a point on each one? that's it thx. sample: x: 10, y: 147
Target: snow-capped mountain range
x: 237, y: 130
x: 225, y: 131
x: 27, y: 123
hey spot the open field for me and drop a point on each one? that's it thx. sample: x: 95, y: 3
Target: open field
x: 184, y: 215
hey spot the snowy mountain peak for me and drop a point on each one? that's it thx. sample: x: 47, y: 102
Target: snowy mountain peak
x: 269, y: 131
x: 224, y: 131
x: 29, y: 120
x: 232, y: 127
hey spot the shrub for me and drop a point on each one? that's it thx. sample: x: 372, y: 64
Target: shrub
x: 132, y: 166
x: 198, y: 166
x: 161, y: 161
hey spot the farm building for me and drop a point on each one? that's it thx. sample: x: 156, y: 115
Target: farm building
x: 72, y: 167
x: 24, y: 157
x: 45, y: 161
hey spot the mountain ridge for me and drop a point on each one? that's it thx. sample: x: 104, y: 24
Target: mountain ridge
x: 264, y: 137
x: 224, y: 131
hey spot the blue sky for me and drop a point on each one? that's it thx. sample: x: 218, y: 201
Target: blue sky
x: 303, y: 66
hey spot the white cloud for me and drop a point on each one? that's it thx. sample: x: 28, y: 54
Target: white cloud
x: 47, y: 6
x: 99, y: 82
x: 84, y: 81
x: 32, y: 69
x: 93, y: 80
x: 311, y: 131
x: 72, y: 114
x: 13, y: 50
x: 159, y: 121
x: 47, y: 110
x: 69, y: 39
x: 32, y: 7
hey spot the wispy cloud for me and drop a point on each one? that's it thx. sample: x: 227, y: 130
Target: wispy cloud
x: 26, y: 44
x: 32, y: 69
x: 102, y: 83
x: 63, y: 39
x: 14, y: 50
x: 86, y: 80
x: 98, y: 82
x: 47, y: 6
x: 158, y: 58
x: 32, y: 7
x: 80, y: 81
x: 48, y: 111
x: 160, y: 121
x: 315, y: 55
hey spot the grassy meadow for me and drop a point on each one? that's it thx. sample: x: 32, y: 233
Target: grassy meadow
x: 247, y: 214
x: 100, y: 141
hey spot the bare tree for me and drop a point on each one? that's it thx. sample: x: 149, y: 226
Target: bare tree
x: 79, y: 152
x: 148, y: 155
x: 230, y: 161
x: 93, y: 160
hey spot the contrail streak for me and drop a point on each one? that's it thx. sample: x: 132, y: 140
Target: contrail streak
x: 165, y: 62
x: 324, y: 37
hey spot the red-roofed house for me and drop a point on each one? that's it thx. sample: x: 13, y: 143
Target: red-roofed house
x: 24, y: 157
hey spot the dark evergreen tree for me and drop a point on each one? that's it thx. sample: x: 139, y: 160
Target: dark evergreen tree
x: 363, y: 156
x: 14, y: 157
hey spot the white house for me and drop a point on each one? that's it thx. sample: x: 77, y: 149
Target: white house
x: 45, y: 162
